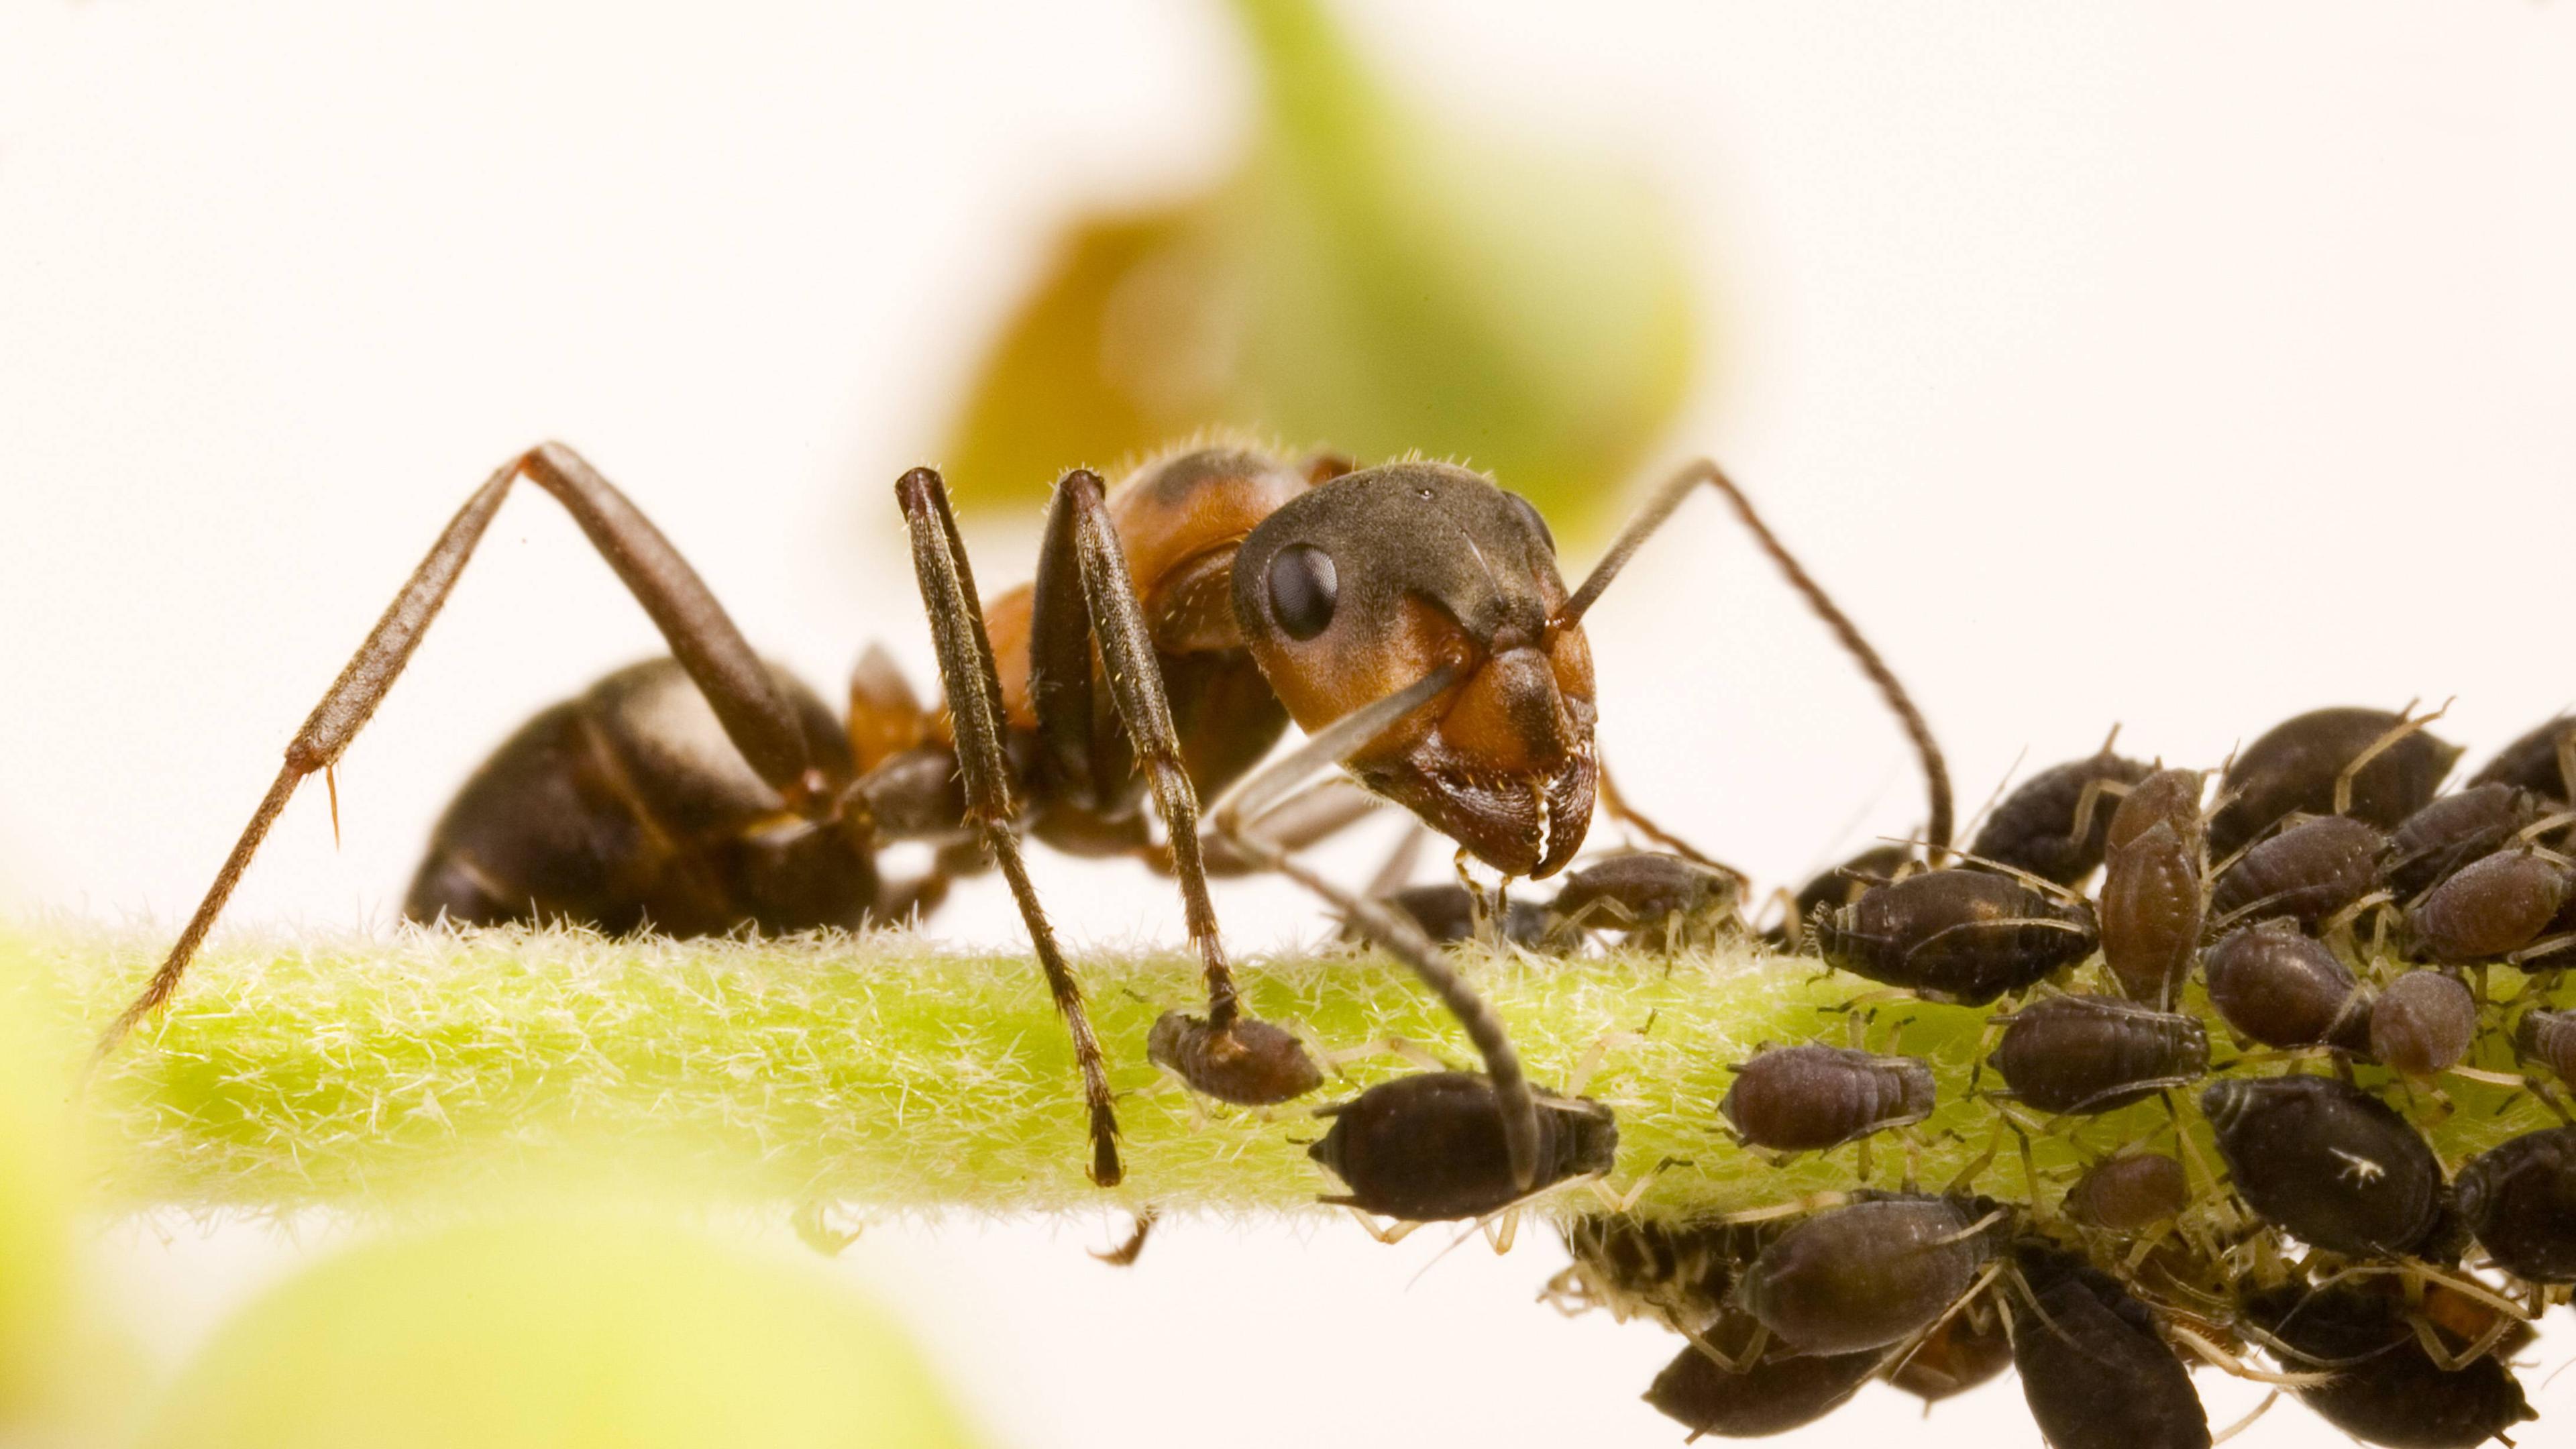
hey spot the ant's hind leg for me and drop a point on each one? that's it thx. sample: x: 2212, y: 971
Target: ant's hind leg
x: 1089, y: 597
x: 975, y: 706
x: 755, y: 715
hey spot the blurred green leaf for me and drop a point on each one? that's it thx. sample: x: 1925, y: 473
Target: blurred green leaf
x: 36, y: 1194
x: 1373, y: 279
x: 557, y: 1332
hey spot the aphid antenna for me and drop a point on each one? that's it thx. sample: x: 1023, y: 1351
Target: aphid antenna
x: 1912, y: 1344
x: 1811, y: 1203
x: 2247, y: 1422
x: 1977, y: 817
x: 2416, y: 1272
x: 1615, y: 801
x: 2407, y: 723
x: 2547, y: 823
x: 2039, y: 883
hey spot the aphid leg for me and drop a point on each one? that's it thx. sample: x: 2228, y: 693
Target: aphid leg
x: 1126, y: 1253
x: 2247, y: 1422
x: 756, y: 717
x: 1084, y: 595
x: 2235, y: 1365
x: 1389, y: 1236
x: 2407, y: 724
x: 1642, y: 525
x: 1390, y: 930
x: 975, y: 706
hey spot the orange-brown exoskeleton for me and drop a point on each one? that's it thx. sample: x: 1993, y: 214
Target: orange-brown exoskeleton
x: 1410, y: 617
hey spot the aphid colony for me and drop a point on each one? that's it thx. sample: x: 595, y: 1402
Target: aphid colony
x: 2296, y: 957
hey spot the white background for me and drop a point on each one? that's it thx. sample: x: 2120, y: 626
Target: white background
x: 2180, y: 365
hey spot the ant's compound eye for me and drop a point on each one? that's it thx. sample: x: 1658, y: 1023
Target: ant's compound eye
x: 1536, y: 521
x: 1303, y: 586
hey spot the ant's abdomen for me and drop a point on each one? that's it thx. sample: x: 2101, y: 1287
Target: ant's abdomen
x: 626, y: 809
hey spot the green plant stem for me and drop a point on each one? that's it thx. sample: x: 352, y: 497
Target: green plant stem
x: 886, y: 1072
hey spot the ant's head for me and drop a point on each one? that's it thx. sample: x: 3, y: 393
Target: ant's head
x: 1367, y: 583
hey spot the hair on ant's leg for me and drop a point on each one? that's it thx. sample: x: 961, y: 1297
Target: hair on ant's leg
x: 974, y: 692
x: 756, y: 717
x: 1659, y: 508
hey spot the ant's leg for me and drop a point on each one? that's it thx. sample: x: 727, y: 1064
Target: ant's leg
x: 1389, y: 929
x: 1095, y: 598
x: 1227, y: 1055
x: 1659, y: 508
x: 975, y: 707
x: 755, y: 716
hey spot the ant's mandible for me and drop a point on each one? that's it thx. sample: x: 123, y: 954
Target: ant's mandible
x: 1410, y: 617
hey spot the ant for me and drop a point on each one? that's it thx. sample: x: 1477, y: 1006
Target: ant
x: 1409, y: 617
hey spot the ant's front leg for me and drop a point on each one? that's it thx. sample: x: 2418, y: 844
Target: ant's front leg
x: 1084, y: 595
x: 974, y: 689
x: 756, y: 717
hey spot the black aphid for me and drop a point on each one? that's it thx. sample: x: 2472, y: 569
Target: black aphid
x: 1809, y: 1098
x: 2519, y: 1201
x: 1838, y: 886
x: 2423, y: 1023
x: 1659, y: 902
x: 1429, y: 1147
x: 2454, y: 830
x: 2536, y: 762
x: 1968, y: 1349
x: 2549, y: 1038
x: 2328, y: 1163
x: 1253, y: 1064
x: 2294, y: 768
x: 1676, y: 1273
x: 1775, y: 1394
x: 2386, y: 1388
x: 2097, y: 1053
x: 2491, y: 907
x: 1866, y: 1274
x: 2283, y: 988
x: 1961, y: 936
x: 2129, y: 1194
x: 2035, y: 828
x: 2307, y: 871
x: 2093, y: 1368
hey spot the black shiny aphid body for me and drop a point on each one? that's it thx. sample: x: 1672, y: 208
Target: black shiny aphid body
x: 1866, y: 1274
x: 2088, y: 1054
x: 1429, y: 1147
x: 2283, y: 988
x: 1956, y: 935
x: 2293, y: 769
x: 2034, y: 828
x: 2308, y: 870
x: 2519, y: 1201
x: 2129, y: 1194
x: 2386, y: 1389
x: 2423, y: 1023
x: 2464, y: 826
x: 1446, y: 912
x: 1809, y: 1098
x: 1778, y: 1393
x: 2491, y: 907
x: 2327, y: 1163
x: 1660, y: 902
x: 627, y: 808
x: 2094, y: 1370
x: 2533, y: 762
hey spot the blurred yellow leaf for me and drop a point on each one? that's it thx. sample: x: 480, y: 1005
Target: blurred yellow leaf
x: 36, y: 1192
x: 555, y: 1332
x: 1372, y: 279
